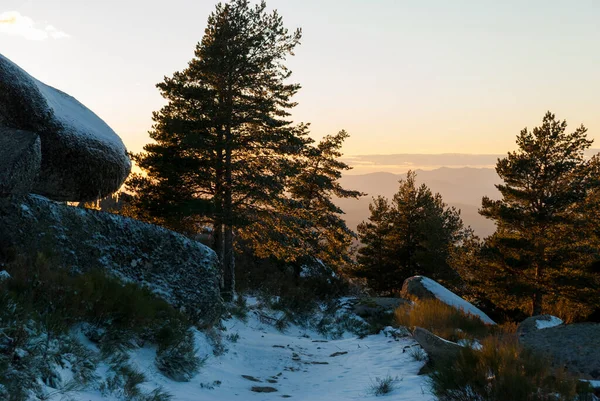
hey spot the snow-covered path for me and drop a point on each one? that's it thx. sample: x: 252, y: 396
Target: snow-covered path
x: 298, y: 364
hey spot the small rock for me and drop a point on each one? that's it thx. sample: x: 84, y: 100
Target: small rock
x: 263, y: 389
x: 251, y: 378
x: 436, y: 347
x: 338, y: 353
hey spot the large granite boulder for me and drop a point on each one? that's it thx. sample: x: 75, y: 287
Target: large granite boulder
x: 82, y: 157
x: 421, y: 287
x: 20, y: 161
x: 573, y: 346
x: 184, y: 272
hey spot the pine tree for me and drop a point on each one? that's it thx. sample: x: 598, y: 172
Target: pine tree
x: 413, y: 234
x: 307, y: 228
x: 375, y: 262
x: 329, y: 239
x: 223, y: 141
x: 538, y: 252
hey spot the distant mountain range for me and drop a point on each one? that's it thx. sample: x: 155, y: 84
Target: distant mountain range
x: 462, y: 188
x: 402, y: 162
x: 462, y: 180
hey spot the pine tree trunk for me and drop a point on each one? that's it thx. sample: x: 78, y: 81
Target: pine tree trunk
x: 218, y: 247
x: 228, y: 267
x: 537, y: 303
x: 228, y: 291
x: 537, y: 297
x: 218, y: 244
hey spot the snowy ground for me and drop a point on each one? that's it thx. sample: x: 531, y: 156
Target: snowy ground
x: 298, y: 364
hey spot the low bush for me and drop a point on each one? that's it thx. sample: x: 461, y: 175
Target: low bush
x: 179, y: 361
x: 383, y: 386
x: 503, y: 370
x: 41, y: 302
x: 442, y: 320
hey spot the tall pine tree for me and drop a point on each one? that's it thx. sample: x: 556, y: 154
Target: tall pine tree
x: 223, y: 141
x: 540, y: 253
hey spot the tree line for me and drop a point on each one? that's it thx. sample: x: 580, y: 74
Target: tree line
x: 544, y: 256
x: 226, y: 156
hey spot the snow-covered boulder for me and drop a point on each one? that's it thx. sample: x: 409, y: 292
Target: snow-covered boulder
x: 20, y: 160
x: 539, y: 322
x: 82, y: 157
x: 421, y: 287
x: 183, y: 272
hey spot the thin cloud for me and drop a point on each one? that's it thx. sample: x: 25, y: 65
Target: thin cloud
x: 13, y: 23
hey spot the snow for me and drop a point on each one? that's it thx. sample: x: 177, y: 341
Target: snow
x: 4, y: 275
x: 474, y: 344
x: 450, y: 298
x: 299, y: 362
x: 553, y: 321
x: 594, y: 383
x: 75, y: 116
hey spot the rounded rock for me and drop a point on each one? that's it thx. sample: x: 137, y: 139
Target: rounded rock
x: 83, y: 159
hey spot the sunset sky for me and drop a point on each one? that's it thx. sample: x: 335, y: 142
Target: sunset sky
x: 431, y: 76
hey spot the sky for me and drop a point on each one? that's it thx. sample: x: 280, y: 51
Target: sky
x: 428, y: 76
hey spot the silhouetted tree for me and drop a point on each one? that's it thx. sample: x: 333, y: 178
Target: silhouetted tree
x: 223, y: 141
x: 541, y: 251
x: 413, y: 234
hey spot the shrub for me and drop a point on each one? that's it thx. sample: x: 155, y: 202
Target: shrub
x: 418, y: 354
x: 502, y: 370
x: 179, y: 361
x: 383, y: 386
x: 52, y: 296
x: 42, y: 301
x: 442, y: 320
x: 239, y: 308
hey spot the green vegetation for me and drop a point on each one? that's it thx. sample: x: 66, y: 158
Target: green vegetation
x: 413, y: 234
x: 41, y: 303
x: 383, y: 386
x: 541, y: 257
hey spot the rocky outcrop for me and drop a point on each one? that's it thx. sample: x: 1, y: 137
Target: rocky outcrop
x: 539, y: 322
x: 436, y: 347
x: 368, y: 307
x: 574, y: 346
x: 20, y: 161
x: 182, y: 271
x: 82, y: 157
x: 421, y: 287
